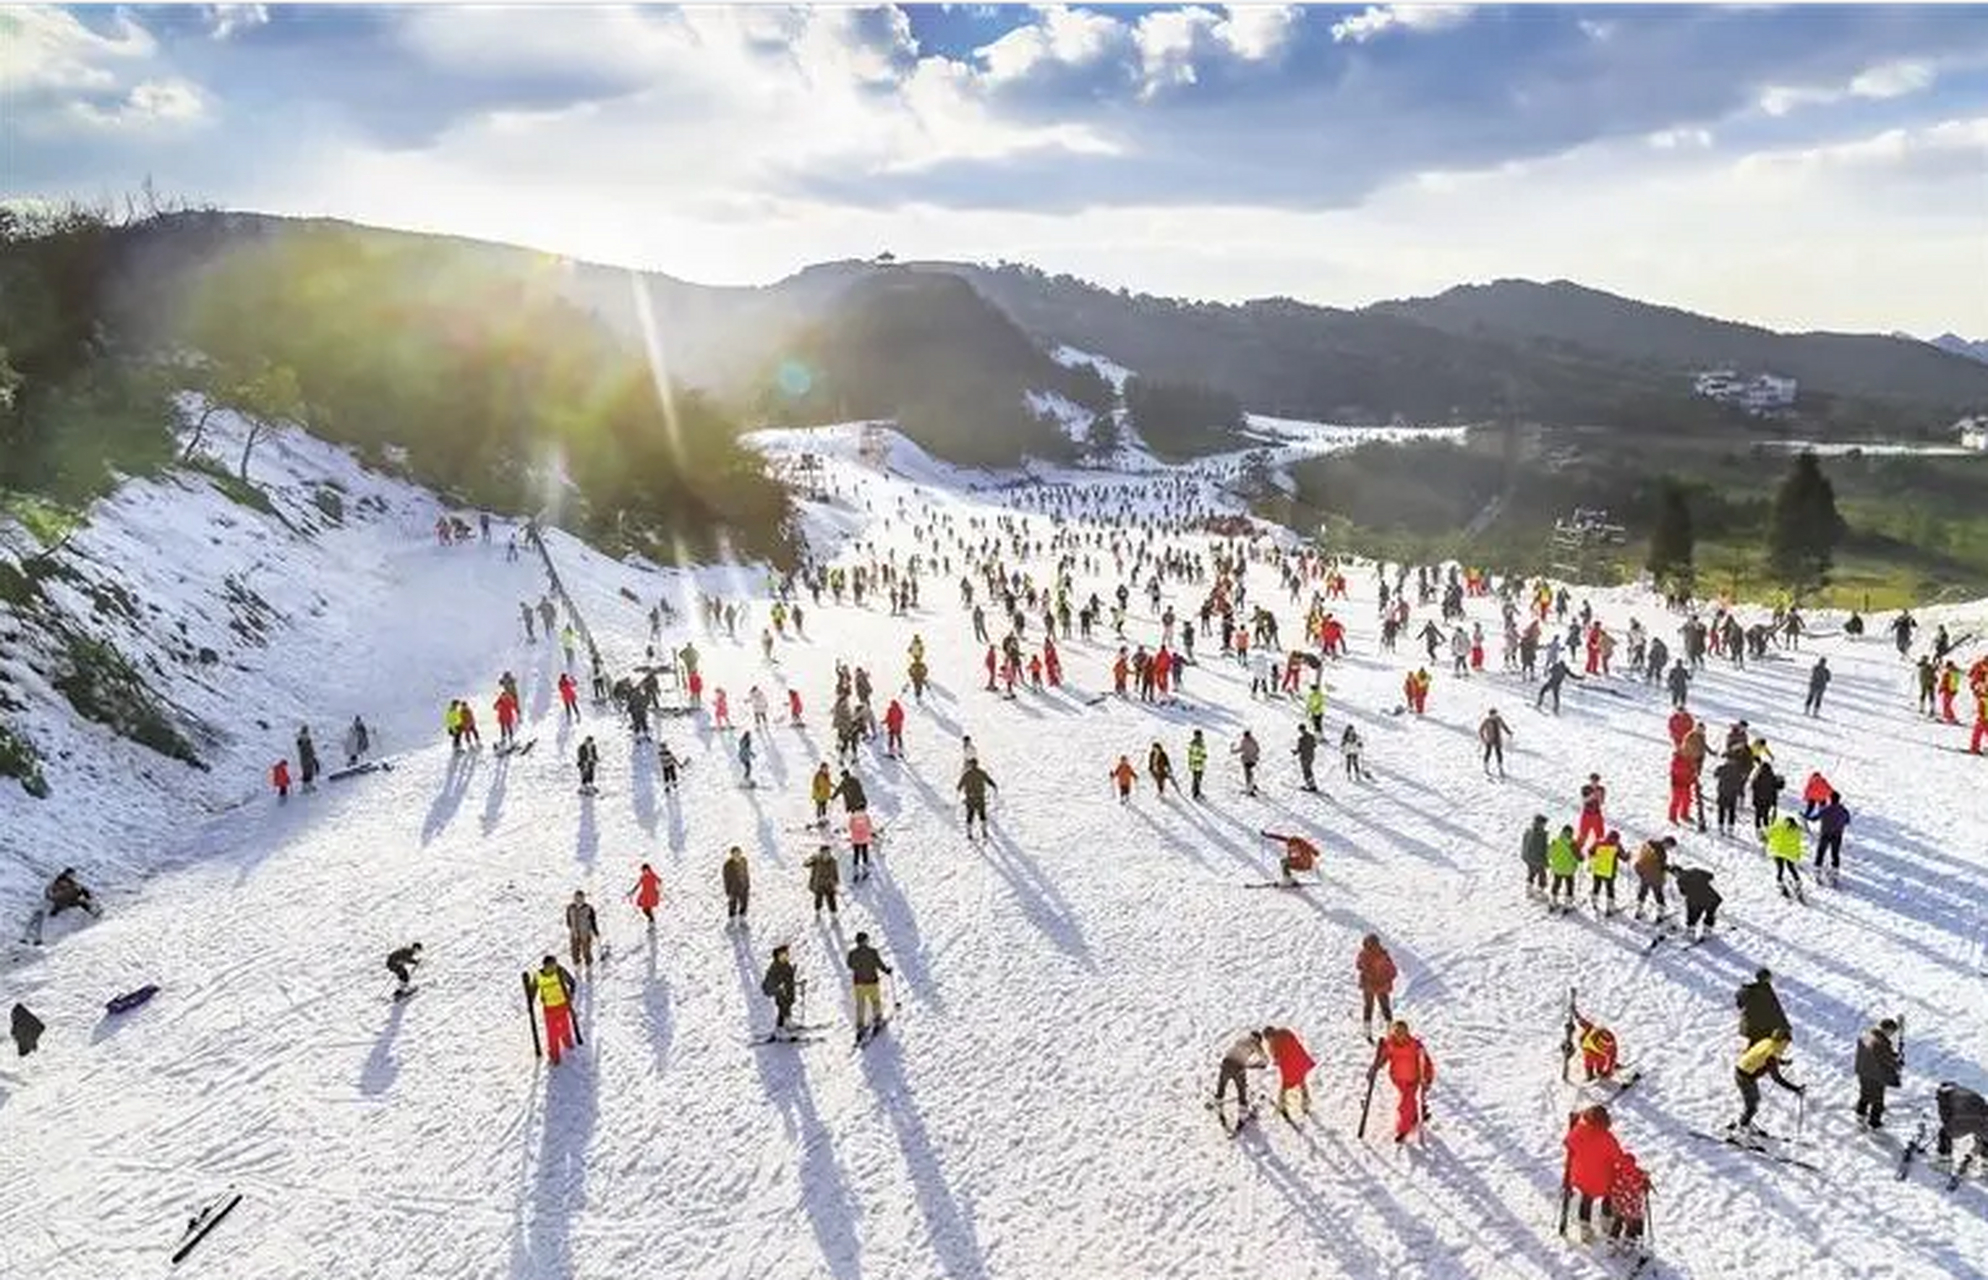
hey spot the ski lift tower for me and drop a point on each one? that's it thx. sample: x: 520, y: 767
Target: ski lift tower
x: 1580, y: 541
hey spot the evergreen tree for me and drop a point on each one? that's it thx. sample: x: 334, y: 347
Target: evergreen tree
x: 1672, y: 541
x: 1804, y: 529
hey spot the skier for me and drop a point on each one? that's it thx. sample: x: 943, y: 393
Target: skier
x: 1766, y: 787
x: 1160, y: 768
x: 1350, y: 748
x: 1963, y: 1113
x: 569, y: 695
x: 1593, y: 795
x: 1701, y: 900
x: 745, y: 756
x: 1411, y: 1071
x: 1761, y: 1058
x: 1592, y: 1156
x: 1300, y: 854
x: 1557, y: 672
x: 1818, y: 681
x: 1731, y: 778
x: 1294, y: 1066
x: 1197, y: 763
x: 1628, y: 1206
x: 737, y: 877
x: 358, y: 741
x: 1598, y: 1049
x: 581, y: 929
x: 279, y: 777
x: 506, y: 710
x: 1563, y: 859
x: 824, y: 877
x: 1533, y: 850
x: 1492, y: 733
x: 399, y: 963
x: 894, y: 729
x: 589, y: 759
x: 670, y: 764
x: 1377, y: 973
x: 1306, y: 751
x: 861, y: 832
x: 1246, y: 1053
x: 850, y: 791
x: 648, y: 893
x: 865, y: 970
x: 973, y: 784
x: 780, y: 984
x: 1784, y: 845
x: 1830, y: 821
x: 1123, y: 775
x: 1878, y: 1064
x: 1651, y: 864
x: 1249, y: 752
x: 553, y: 989
x: 1760, y: 1008
x: 821, y: 789
x: 1602, y: 860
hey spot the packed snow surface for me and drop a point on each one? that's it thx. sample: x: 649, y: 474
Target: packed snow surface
x: 1063, y: 989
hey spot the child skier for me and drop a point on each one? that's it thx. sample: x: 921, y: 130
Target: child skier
x: 648, y: 892
x: 1123, y: 775
x: 1377, y: 973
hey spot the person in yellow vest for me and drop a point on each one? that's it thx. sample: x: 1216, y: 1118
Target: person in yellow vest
x: 1602, y: 863
x: 553, y: 988
x: 1761, y: 1058
x: 452, y: 722
x: 1784, y: 845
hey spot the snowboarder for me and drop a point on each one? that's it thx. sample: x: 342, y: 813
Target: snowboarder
x: 737, y: 877
x: 589, y: 759
x: 824, y: 877
x: 400, y: 963
x: 1294, y: 1066
x: 1878, y: 1065
x: 974, y: 784
x: 1245, y: 1054
x: 1377, y: 973
x: 866, y: 968
x: 648, y: 893
x: 581, y: 929
x: 1411, y: 1071
x: 781, y: 985
x: 552, y: 987
x: 1761, y: 1058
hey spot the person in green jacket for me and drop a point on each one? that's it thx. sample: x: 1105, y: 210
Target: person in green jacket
x: 1315, y: 708
x: 1197, y: 760
x: 1784, y: 845
x: 1563, y: 859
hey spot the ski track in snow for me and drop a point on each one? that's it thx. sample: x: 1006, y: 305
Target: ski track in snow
x: 1067, y: 986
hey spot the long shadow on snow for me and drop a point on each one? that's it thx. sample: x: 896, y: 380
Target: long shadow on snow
x: 948, y: 1225
x: 587, y: 841
x: 381, y: 1067
x: 900, y: 927
x: 676, y: 832
x: 455, y: 785
x: 1330, y: 1235
x: 642, y: 785
x: 572, y: 1106
x: 1036, y: 894
x: 493, y: 799
x: 1511, y: 1233
x: 656, y: 1004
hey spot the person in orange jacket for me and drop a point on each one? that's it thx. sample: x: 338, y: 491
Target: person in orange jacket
x: 1949, y: 690
x: 1294, y: 1067
x: 279, y: 777
x: 648, y: 892
x: 1411, y: 1070
x: 1815, y: 794
x: 1300, y: 854
x: 468, y: 721
x: 1120, y: 668
x: 1980, y: 734
x: 1377, y: 972
x: 1124, y: 775
x: 1592, y: 1156
x: 507, y: 716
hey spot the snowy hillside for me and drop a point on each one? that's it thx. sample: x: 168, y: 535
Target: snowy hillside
x: 1063, y: 989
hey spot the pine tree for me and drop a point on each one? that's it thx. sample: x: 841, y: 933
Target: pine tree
x: 1673, y: 542
x: 1804, y: 529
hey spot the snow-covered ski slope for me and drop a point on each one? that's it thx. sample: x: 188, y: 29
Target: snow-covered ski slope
x: 1066, y: 987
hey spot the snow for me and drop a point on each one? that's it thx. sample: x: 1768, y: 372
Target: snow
x: 1073, y: 418
x: 1111, y: 371
x: 1066, y: 988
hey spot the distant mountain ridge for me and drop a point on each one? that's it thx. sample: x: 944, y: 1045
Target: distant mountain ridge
x: 1973, y: 350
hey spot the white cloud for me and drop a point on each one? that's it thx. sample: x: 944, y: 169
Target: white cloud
x: 1255, y: 32
x: 1071, y: 37
x: 1886, y: 80
x: 167, y: 102
x: 229, y: 20
x: 48, y: 51
x: 1364, y: 26
x: 1680, y: 139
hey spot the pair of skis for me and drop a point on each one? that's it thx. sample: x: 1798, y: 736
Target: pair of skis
x: 531, y: 1017
x: 205, y: 1221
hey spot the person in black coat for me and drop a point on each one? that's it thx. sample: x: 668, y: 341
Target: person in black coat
x: 780, y: 984
x: 1760, y: 1008
x: 1963, y: 1113
x: 1767, y: 786
x: 1701, y: 900
x: 1878, y: 1065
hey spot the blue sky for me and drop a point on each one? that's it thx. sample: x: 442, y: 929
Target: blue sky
x: 1799, y: 166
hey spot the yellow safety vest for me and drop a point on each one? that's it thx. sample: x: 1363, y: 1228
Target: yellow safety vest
x: 551, y: 988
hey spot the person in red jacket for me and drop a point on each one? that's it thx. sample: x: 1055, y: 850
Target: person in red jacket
x: 1683, y: 786
x: 794, y: 706
x: 1592, y: 827
x: 1294, y: 1067
x: 1120, y: 668
x: 694, y: 682
x: 1592, y: 1156
x: 648, y: 892
x: 1300, y: 854
x: 1052, y: 662
x: 279, y: 777
x: 1411, y: 1070
x: 1376, y: 969
x: 1628, y: 1200
x: 1124, y: 776
x: 1679, y: 724
x: 894, y: 728
x: 993, y: 663
x: 569, y: 693
x: 507, y: 716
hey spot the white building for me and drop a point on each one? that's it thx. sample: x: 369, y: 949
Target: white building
x: 1973, y: 433
x: 1760, y: 394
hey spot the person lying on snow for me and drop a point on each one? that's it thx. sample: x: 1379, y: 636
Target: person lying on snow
x: 62, y: 893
